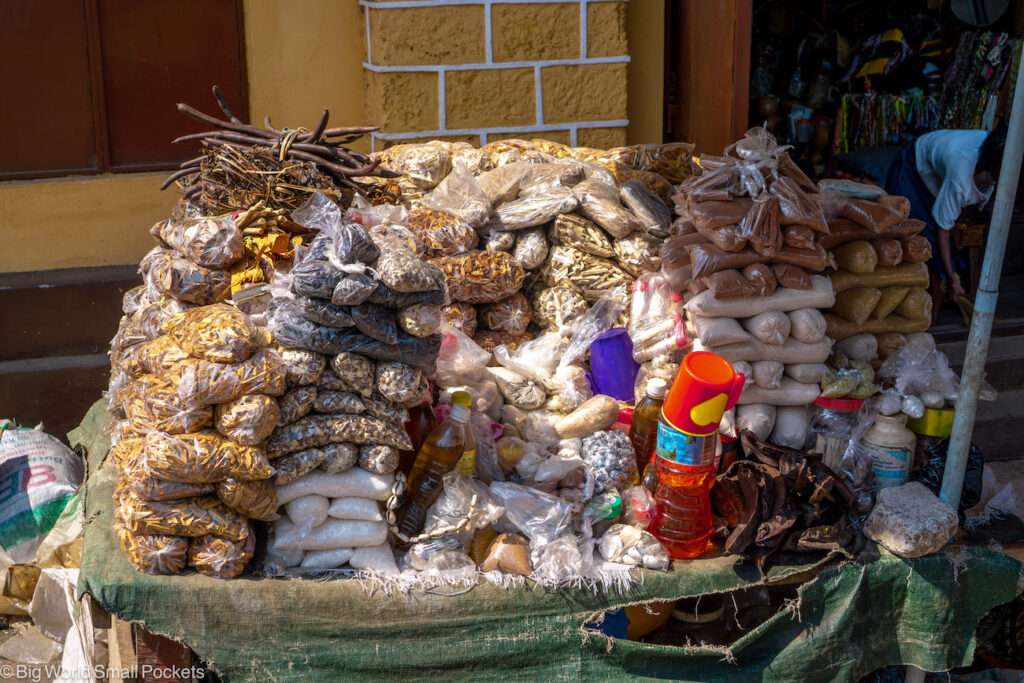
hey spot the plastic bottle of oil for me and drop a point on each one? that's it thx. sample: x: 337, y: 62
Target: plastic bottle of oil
x: 643, y: 430
x: 421, y: 422
x: 438, y: 455
x: 467, y: 463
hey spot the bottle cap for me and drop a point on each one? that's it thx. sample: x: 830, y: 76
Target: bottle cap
x: 461, y: 398
x: 460, y: 413
x: 656, y: 387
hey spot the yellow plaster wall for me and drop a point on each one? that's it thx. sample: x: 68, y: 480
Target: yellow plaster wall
x: 645, y: 32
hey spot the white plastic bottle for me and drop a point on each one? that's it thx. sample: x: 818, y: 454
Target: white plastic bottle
x: 890, y: 446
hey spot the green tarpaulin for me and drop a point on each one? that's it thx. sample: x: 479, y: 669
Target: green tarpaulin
x: 855, y: 617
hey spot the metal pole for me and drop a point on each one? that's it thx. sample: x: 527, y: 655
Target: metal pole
x: 985, y: 302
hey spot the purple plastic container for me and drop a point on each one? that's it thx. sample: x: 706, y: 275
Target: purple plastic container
x: 613, y: 370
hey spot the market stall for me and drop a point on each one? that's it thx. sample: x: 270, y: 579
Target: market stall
x: 526, y: 384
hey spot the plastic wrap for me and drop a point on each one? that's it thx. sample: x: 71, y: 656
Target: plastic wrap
x: 905, y: 275
x: 302, y: 367
x: 708, y: 259
x: 531, y: 248
x: 770, y: 327
x: 767, y: 374
x: 807, y: 325
x: 341, y: 457
x: 152, y: 403
x: 315, y: 431
x: 844, y: 230
x: 247, y: 420
x: 714, y: 332
x: 589, y: 275
x: 798, y: 236
x: 872, y: 215
x: 791, y: 277
x: 789, y: 393
x: 916, y: 249
x: 330, y: 402
x: 649, y: 209
x: 295, y: 465
x: 400, y: 269
x: 191, y: 518
x: 857, y: 257
x: 442, y: 233
x: 220, y: 558
x: 378, y: 459
x: 254, y: 499
x: 166, y: 272
x: 355, y: 372
x: 218, y: 333
x: 728, y: 284
x: 709, y: 215
x: 460, y: 195
x: 461, y: 316
x: 541, y: 517
x: 420, y: 320
x: 857, y: 303
x: 510, y: 315
x: 201, y: 382
x: 815, y: 259
x: 790, y: 427
x: 761, y: 277
x: 402, y: 384
x: 532, y: 210
x: 201, y: 458
x: 797, y: 207
x: 214, y: 242
x: 760, y: 227
x: 791, y: 351
x: 889, y: 250
x: 726, y: 237
x: 152, y: 553
x: 599, y: 202
x: 758, y: 418
x: 638, y: 253
x: 481, y: 276
x: 376, y: 322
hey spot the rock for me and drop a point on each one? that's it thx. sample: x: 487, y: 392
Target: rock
x: 509, y: 553
x: 910, y: 521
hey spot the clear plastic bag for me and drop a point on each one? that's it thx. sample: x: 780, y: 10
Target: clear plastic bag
x: 510, y: 315
x: 598, y: 320
x: 798, y: 236
x: 573, y: 230
x: 221, y: 558
x: 532, y: 210
x: 726, y: 237
x: 728, y: 284
x: 153, y: 357
x: 599, y: 202
x: 201, y: 458
x: 201, y: 382
x: 402, y: 384
x: 247, y: 420
x: 531, y: 248
x: 153, y: 403
x: 796, y: 207
x: 542, y: 177
x: 461, y: 195
x: 638, y: 253
x: 761, y: 227
x: 151, y: 553
x: 219, y: 333
x: 872, y: 215
x: 461, y: 316
x: 499, y: 241
x: 501, y: 185
x: 325, y: 313
x: 400, y: 269
x: 761, y: 277
x: 375, y: 322
x: 214, y: 242
x: 316, y: 431
x: 330, y: 402
x: 557, y: 307
x: 166, y: 272
x: 296, y: 465
x: 649, y: 209
x: 707, y: 259
x: 715, y: 214
x: 541, y: 517
x: 191, y: 518
x: 770, y: 327
x: 518, y: 390
x: 481, y: 276
x: 314, y: 278
x: 633, y: 546
x: 420, y: 320
x: 590, y: 276
x: 442, y: 233
x: 422, y: 165
x: 254, y: 499
x: 610, y: 459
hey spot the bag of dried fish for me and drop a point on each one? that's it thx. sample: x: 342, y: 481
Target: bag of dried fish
x: 375, y: 322
x: 337, y: 402
x: 378, y: 459
x: 292, y: 466
x: 221, y: 558
x: 201, y: 458
x: 354, y: 289
x: 518, y: 390
x: 151, y: 488
x: 340, y: 457
x: 204, y: 383
x: 352, y: 244
x: 247, y: 420
x: 599, y: 202
x: 214, y: 242
x: 638, y: 253
x: 440, y: 232
x: 422, y: 165
x: 314, y: 278
x: 461, y: 316
x: 389, y: 298
x: 531, y: 248
x: 481, y: 276
x: 402, y: 271
x: 589, y: 275
x: 178, y: 277
x: 499, y: 241
x: 573, y: 230
x: 151, y: 553
x: 556, y: 307
x: 296, y: 403
x: 531, y: 210
x: 191, y: 517
x: 355, y: 372
x: 154, y: 357
x: 501, y: 184
x: 325, y: 313
x: 218, y: 333
x: 510, y: 315
x: 402, y: 384
x: 316, y: 431
x: 254, y: 499
x: 655, y: 218
x: 420, y: 320
x: 302, y: 367
x: 154, y: 403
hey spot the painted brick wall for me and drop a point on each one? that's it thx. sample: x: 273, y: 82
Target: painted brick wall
x: 484, y: 70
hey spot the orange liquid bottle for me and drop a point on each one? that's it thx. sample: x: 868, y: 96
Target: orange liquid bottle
x: 438, y: 455
x: 421, y: 422
x: 643, y: 430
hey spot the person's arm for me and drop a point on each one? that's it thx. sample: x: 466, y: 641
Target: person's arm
x: 956, y: 290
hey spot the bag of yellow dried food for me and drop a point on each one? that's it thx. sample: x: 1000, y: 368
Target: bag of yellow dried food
x: 254, y: 499
x: 510, y: 315
x: 441, y: 233
x: 159, y: 406
x: 461, y: 316
x: 481, y: 276
x: 488, y: 340
x: 150, y: 553
x: 201, y: 458
x: 218, y: 333
x: 190, y: 517
x: 153, y: 489
x: 166, y: 272
x: 153, y: 357
x: 247, y: 420
x: 214, y: 242
x: 221, y: 558
x: 202, y: 382
x: 126, y: 451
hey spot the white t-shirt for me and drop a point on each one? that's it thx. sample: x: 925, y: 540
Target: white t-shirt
x: 946, y: 160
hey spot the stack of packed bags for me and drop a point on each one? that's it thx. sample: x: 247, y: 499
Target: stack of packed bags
x: 192, y: 394
x: 357, y: 318
x: 529, y: 233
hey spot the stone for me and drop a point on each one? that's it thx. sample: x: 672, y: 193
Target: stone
x: 910, y: 521
x: 585, y: 92
x: 417, y: 36
x: 488, y: 98
x: 402, y: 102
x: 606, y: 29
x: 531, y: 31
